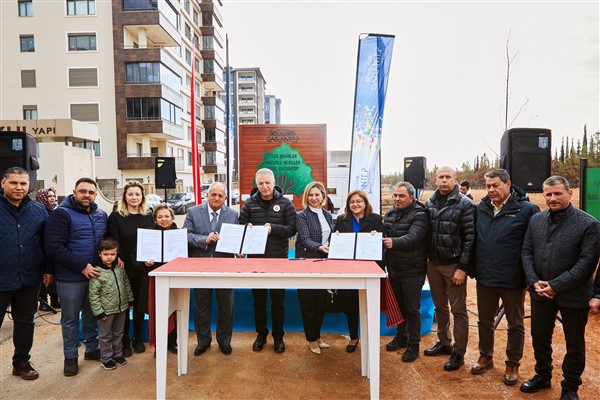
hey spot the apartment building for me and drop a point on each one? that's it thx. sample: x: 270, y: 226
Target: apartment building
x: 247, y: 103
x: 126, y: 67
x: 272, y: 110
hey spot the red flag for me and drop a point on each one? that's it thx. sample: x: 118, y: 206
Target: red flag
x: 389, y: 305
x: 196, y: 183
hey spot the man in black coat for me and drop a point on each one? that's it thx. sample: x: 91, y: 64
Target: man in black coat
x: 502, y: 219
x: 405, y: 244
x: 451, y: 245
x: 268, y: 206
x: 560, y: 255
x: 21, y: 264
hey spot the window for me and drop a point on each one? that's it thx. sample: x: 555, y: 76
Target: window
x: 81, y: 7
x: 83, y: 77
x: 195, y: 17
x: 189, y: 133
x: 27, y: 43
x: 138, y: 149
x: 197, y: 65
x: 143, y: 108
x: 82, y: 41
x: 180, y: 154
x: 189, y: 158
x: 90, y: 146
x: 188, y: 57
x: 210, y: 135
x: 85, y: 112
x: 209, y: 66
x: 28, y: 78
x: 145, y: 72
x: 140, y: 5
x: 25, y: 8
x: 188, y: 31
x: 211, y: 157
x: 30, y: 112
x: 186, y: 5
x: 154, y: 151
x: 169, y: 151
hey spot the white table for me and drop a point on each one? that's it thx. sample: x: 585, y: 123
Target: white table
x: 174, y: 279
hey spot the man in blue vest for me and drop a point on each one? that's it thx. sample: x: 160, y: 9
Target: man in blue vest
x: 21, y: 264
x: 73, y: 232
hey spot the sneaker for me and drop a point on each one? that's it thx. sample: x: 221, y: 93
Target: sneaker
x: 92, y: 355
x: 25, y: 370
x: 120, y: 360
x: 396, y: 343
x: 138, y: 346
x: 71, y: 368
x: 110, y: 364
x: 127, y: 350
x: 411, y: 353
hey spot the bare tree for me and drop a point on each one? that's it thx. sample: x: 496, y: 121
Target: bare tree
x: 509, y: 62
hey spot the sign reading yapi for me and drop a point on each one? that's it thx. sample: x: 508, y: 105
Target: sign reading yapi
x: 297, y: 155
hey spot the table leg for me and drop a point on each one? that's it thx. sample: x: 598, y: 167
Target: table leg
x: 364, y: 333
x: 162, y: 315
x: 183, y: 317
x: 373, y: 313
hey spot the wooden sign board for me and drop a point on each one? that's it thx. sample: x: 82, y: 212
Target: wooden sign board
x: 297, y: 155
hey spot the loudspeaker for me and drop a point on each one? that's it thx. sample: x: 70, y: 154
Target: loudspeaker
x: 164, y: 173
x: 415, y: 171
x: 526, y: 154
x: 17, y: 149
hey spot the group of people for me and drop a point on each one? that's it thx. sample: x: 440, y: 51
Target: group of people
x: 504, y: 242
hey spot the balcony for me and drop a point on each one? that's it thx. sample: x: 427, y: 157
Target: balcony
x: 157, y: 129
x: 150, y: 23
x: 213, y: 55
x: 211, y: 7
x: 213, y: 82
x: 214, y: 32
x: 213, y: 101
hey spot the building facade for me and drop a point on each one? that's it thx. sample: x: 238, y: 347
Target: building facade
x: 272, y: 110
x: 125, y: 66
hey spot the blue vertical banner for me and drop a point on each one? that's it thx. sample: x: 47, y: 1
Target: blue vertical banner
x: 374, y: 59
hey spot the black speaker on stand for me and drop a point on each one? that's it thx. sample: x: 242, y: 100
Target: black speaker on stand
x: 415, y: 171
x: 164, y: 173
x: 526, y: 154
x: 18, y: 149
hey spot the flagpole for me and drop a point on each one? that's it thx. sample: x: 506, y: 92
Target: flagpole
x: 196, y: 183
x: 228, y: 106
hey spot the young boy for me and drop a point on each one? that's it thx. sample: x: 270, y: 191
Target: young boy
x: 110, y: 299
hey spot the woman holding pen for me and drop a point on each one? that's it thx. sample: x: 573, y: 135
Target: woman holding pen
x: 358, y: 217
x: 314, y: 225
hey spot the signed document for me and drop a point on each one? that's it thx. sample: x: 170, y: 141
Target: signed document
x: 161, y: 246
x: 356, y: 246
x: 242, y: 239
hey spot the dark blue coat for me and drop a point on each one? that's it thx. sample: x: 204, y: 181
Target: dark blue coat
x: 310, y: 233
x: 72, y: 238
x: 500, y: 239
x: 21, y: 235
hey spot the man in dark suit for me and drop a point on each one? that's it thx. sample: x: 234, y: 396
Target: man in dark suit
x: 203, y: 223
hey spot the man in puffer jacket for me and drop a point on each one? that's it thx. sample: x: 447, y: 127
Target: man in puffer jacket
x: 502, y: 219
x: 110, y: 299
x: 451, y: 247
x: 21, y: 264
x: 560, y: 255
x: 269, y: 207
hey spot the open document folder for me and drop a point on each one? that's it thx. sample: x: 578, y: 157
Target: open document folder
x: 242, y: 239
x: 356, y: 246
x: 161, y: 246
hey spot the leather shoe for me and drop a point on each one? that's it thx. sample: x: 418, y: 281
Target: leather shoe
x: 200, y: 349
x: 438, y: 349
x: 396, y: 343
x: 454, y: 362
x: 411, y: 353
x: 92, y: 355
x: 536, y: 383
x: 71, y: 368
x: 225, y: 349
x: 511, y: 375
x: 569, y: 395
x: 351, y: 348
x: 279, y: 346
x: 259, y: 343
x: 25, y: 370
x: 138, y: 346
x: 483, y: 364
x: 127, y: 350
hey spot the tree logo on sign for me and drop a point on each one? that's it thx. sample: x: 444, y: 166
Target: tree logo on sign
x: 292, y: 174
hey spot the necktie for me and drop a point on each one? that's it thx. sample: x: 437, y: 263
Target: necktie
x: 213, y: 221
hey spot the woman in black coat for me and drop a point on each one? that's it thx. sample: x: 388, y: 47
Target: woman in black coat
x: 314, y: 225
x: 358, y: 217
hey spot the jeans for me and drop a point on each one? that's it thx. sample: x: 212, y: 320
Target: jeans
x: 74, y: 300
x: 24, y: 303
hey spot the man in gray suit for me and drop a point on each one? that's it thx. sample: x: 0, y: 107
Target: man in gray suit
x: 203, y: 223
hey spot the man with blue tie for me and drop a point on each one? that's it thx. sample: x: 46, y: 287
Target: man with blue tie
x: 203, y: 223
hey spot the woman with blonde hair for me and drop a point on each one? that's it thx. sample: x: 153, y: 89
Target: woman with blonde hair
x: 358, y: 217
x: 314, y: 225
x: 123, y: 223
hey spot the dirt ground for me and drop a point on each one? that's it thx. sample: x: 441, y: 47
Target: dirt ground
x: 296, y: 374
